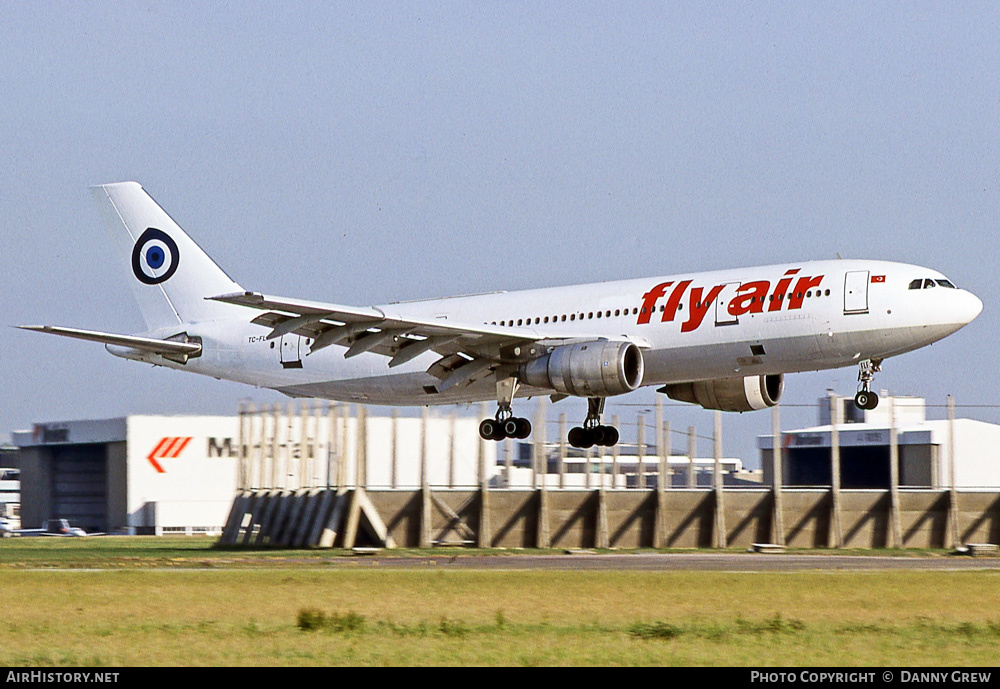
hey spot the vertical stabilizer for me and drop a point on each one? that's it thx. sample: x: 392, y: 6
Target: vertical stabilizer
x: 170, y: 274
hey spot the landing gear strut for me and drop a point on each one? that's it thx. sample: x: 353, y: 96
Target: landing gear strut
x: 505, y: 425
x: 866, y: 399
x: 593, y: 431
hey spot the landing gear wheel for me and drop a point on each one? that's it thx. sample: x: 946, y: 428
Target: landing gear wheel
x: 491, y: 430
x: 598, y: 434
x: 580, y: 437
x: 510, y: 427
x: 610, y: 436
x: 515, y: 427
x: 523, y: 429
x: 866, y: 400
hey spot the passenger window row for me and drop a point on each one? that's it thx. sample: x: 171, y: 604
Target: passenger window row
x: 537, y: 320
x: 571, y: 317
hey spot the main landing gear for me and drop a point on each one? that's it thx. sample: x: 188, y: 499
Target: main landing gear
x: 593, y: 431
x: 505, y: 425
x: 501, y: 427
x: 866, y: 399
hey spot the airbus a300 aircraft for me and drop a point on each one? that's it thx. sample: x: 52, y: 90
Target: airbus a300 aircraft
x: 722, y: 340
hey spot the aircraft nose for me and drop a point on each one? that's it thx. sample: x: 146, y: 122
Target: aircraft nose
x: 968, y: 308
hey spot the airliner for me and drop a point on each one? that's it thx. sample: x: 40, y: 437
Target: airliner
x: 722, y: 339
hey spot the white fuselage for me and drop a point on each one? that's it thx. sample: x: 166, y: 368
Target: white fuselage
x: 722, y: 324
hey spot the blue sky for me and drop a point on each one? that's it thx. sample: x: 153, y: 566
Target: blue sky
x: 368, y: 152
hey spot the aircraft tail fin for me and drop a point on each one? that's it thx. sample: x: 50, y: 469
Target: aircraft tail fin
x: 170, y: 274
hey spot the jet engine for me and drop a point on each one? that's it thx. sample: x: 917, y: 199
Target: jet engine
x: 730, y: 394
x: 587, y: 369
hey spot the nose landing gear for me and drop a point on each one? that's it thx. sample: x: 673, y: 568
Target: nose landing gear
x: 865, y: 398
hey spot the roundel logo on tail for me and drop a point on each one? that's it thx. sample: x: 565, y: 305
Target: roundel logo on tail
x: 154, y: 257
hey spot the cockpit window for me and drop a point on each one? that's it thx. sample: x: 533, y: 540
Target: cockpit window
x: 926, y: 283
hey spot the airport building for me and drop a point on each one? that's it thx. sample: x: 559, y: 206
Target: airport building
x: 865, y: 441
x: 137, y: 474
x: 621, y: 467
x: 179, y: 474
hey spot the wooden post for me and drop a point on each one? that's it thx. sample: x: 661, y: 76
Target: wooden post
x: 660, y: 518
x: 720, y: 516
x: 425, y: 488
x: 394, y: 451
x: 954, y: 533
x: 484, y: 538
x: 314, y: 480
x: 241, y: 467
x: 666, y: 473
x: 601, y: 537
x: 539, y: 457
x: 290, y: 469
x: 836, y: 529
x: 275, y: 447
x: 562, y: 450
x: 483, y: 410
x: 508, y: 461
x: 451, y: 449
x: 615, y: 455
x: 640, y: 451
x: 658, y: 431
x: 894, y: 518
x: 361, y: 465
x: 305, y: 447
x: 345, y: 418
x: 259, y: 444
x: 778, y: 521
x: 331, y: 446
x: 692, y: 449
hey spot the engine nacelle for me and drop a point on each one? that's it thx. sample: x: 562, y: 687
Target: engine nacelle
x: 730, y: 394
x: 587, y: 369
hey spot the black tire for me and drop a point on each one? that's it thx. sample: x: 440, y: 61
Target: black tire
x: 487, y: 428
x: 511, y: 427
x: 861, y: 400
x: 599, y: 434
x: 872, y: 401
x: 577, y: 437
x: 610, y: 436
x: 523, y: 429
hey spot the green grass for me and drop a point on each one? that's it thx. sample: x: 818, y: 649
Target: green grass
x: 177, y: 601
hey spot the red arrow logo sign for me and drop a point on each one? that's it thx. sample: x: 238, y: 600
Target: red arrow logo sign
x: 167, y: 448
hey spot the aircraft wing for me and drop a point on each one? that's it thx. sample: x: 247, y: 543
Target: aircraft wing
x: 467, y: 352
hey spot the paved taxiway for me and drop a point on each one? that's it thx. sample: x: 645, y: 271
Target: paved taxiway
x: 707, y: 562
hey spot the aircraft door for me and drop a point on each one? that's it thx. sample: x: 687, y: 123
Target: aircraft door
x: 723, y: 314
x: 290, y: 351
x: 856, y: 292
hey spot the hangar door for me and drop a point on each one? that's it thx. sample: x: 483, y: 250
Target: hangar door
x: 79, y: 485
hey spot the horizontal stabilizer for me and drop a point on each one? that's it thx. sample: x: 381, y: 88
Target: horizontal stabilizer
x: 146, y: 344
